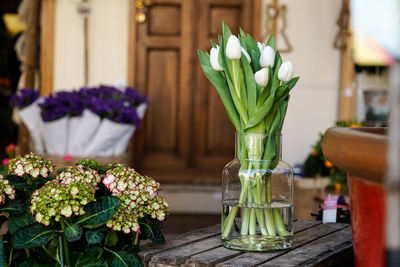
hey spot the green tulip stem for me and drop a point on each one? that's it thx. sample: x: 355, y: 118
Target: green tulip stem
x: 258, y: 200
x: 235, y: 66
x: 227, y: 225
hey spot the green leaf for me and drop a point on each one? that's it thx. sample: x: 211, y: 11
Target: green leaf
x: 99, y: 212
x: 271, y: 41
x: 275, y: 80
x: 32, y: 236
x: 125, y: 259
x: 17, y: 222
x: 33, y: 263
x: 220, y: 84
x: 153, y: 233
x: 261, y: 112
x: 111, y: 238
x: 94, y: 237
x: 250, y: 84
x: 18, y: 182
x: 91, y: 262
x: 14, y: 207
x: 292, y: 82
x: 73, y: 232
x: 2, y: 253
x: 92, y: 251
x: 213, y: 44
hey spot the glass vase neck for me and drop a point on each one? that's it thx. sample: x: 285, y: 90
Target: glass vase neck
x: 258, y: 147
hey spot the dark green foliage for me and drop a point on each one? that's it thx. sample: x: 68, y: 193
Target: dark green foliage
x: 32, y: 236
x: 125, y: 259
x: 2, y: 253
x: 94, y: 237
x: 73, y: 232
x: 17, y: 222
x: 14, y: 207
x: 151, y: 229
x: 97, y: 213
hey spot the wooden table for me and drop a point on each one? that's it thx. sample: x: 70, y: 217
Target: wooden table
x: 315, y: 244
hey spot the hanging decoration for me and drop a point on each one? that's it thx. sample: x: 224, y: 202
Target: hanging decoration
x: 274, y: 13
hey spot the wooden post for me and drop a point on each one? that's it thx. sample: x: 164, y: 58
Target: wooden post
x: 46, y: 47
x: 393, y: 176
x: 347, y: 90
x: 86, y: 44
x: 31, y: 64
x: 32, y: 43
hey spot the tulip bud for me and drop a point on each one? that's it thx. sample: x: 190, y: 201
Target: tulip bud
x: 267, y: 57
x: 285, y: 72
x: 260, y: 46
x: 262, y: 77
x: 246, y: 54
x: 214, y: 59
x: 233, y: 48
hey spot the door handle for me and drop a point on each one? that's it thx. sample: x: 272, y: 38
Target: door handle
x: 141, y: 6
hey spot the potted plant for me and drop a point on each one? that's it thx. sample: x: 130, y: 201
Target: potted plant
x: 83, y: 215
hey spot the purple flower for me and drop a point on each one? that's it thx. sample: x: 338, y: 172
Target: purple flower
x: 60, y: 105
x: 24, y: 98
x: 113, y: 104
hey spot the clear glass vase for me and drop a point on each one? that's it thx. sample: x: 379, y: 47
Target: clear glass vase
x: 257, y: 196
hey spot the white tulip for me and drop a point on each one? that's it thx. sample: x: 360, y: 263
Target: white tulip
x: 267, y: 57
x: 262, y: 77
x: 285, y: 72
x: 260, y: 46
x: 246, y: 54
x: 214, y: 52
x: 233, y: 48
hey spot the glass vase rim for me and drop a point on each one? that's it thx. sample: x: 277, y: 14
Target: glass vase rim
x: 264, y: 134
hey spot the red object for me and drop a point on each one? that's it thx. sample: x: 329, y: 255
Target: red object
x: 67, y: 157
x: 10, y: 148
x: 367, y: 205
x: 5, y: 162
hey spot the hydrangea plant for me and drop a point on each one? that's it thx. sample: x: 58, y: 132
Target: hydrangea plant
x: 84, y: 215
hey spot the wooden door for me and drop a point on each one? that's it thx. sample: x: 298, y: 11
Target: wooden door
x: 186, y: 136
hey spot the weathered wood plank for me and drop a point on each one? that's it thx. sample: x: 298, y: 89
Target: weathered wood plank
x: 179, y: 255
x: 300, y: 239
x: 220, y: 254
x: 302, y: 225
x: 149, y: 250
x: 317, y: 253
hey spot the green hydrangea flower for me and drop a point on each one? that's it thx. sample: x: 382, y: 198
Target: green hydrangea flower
x: 57, y: 199
x: 139, y: 197
x: 30, y: 164
x: 5, y: 189
x: 78, y: 174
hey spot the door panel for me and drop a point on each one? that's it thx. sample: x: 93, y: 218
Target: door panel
x: 162, y: 89
x: 186, y: 136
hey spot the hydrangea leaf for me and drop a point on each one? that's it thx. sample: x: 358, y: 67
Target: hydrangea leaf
x: 32, y: 236
x: 91, y: 262
x: 125, y: 259
x: 111, y: 239
x: 99, y: 212
x: 93, y: 237
x: 14, y: 207
x: 17, y: 222
x: 152, y: 232
x: 2, y: 254
x: 73, y: 232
